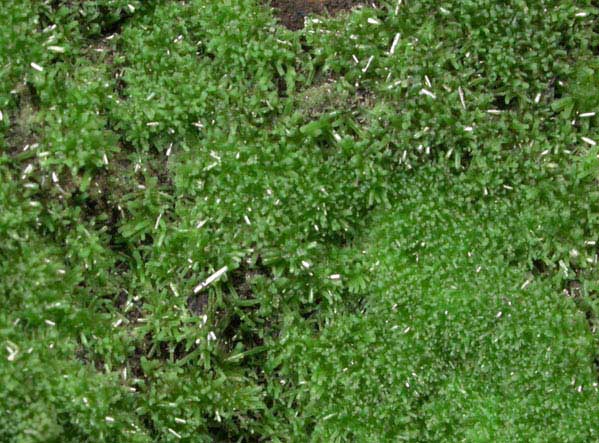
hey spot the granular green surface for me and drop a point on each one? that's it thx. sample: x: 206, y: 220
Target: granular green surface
x: 381, y: 227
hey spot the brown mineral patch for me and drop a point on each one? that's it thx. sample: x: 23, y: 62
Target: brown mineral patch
x: 291, y: 13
